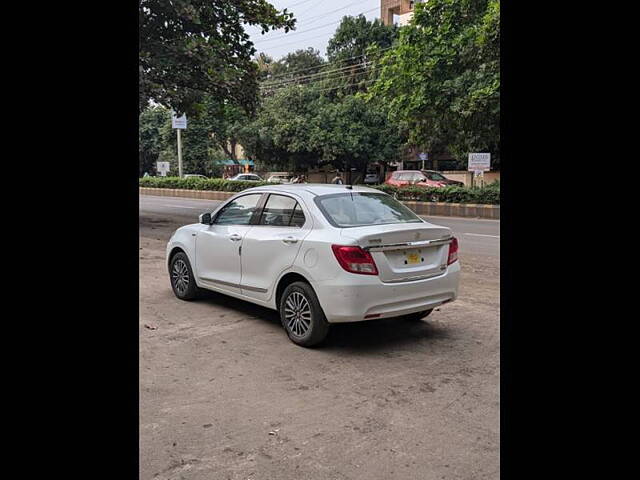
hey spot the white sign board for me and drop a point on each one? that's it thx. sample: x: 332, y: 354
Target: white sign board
x: 423, y: 156
x: 162, y: 168
x: 179, y: 122
x: 479, y: 161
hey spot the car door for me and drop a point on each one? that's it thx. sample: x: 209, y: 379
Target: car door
x: 218, y: 246
x: 272, y: 244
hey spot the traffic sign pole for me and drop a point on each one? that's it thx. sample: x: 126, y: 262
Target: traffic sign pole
x: 179, y: 153
x: 179, y: 124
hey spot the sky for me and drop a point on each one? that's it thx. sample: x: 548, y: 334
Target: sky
x: 317, y: 21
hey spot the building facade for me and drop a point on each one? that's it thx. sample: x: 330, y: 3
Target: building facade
x: 402, y: 8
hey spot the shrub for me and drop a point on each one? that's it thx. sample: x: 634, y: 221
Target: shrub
x: 486, y: 195
x: 194, y: 183
x: 489, y: 195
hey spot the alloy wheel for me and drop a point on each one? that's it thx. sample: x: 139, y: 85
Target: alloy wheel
x: 180, y: 276
x: 297, y: 313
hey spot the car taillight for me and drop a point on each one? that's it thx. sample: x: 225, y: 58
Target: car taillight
x: 355, y: 259
x: 453, y: 251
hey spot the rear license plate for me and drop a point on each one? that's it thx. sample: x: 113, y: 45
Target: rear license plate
x: 413, y: 258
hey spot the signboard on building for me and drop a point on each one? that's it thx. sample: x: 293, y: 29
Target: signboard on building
x: 179, y: 122
x: 479, y: 161
x: 423, y: 156
x: 162, y: 168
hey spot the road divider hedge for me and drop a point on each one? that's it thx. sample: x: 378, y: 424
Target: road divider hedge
x: 489, y: 195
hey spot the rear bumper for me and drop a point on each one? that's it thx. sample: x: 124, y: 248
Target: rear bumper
x: 351, y: 297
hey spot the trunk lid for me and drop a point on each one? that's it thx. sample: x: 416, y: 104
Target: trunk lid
x: 404, y: 252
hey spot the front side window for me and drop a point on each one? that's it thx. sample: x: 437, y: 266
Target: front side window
x: 282, y: 211
x: 239, y: 211
x: 359, y: 209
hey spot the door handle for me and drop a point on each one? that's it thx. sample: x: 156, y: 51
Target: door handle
x: 235, y: 237
x: 290, y: 240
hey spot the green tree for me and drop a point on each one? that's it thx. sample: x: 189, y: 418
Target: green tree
x: 264, y: 63
x: 150, y: 140
x: 352, y: 134
x: 223, y: 120
x: 191, y: 47
x: 356, y: 42
x: 299, y: 67
x: 300, y: 127
x: 355, y: 35
x: 279, y: 135
x: 442, y: 78
x: 291, y: 64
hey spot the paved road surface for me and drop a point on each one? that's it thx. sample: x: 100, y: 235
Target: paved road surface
x: 475, y: 235
x: 225, y: 395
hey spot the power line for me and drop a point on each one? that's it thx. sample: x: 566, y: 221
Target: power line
x: 346, y: 86
x: 327, y: 73
x: 312, y: 29
x: 364, y: 82
x: 312, y: 7
x: 325, y: 64
x: 359, y: 71
x: 324, y: 15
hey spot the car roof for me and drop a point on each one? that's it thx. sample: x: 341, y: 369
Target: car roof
x: 312, y: 189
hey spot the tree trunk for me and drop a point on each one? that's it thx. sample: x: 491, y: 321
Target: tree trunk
x: 233, y: 151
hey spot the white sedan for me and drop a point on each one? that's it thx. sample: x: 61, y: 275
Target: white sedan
x: 318, y: 254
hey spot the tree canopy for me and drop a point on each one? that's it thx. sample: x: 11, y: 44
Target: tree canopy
x: 192, y: 47
x: 300, y: 126
x: 355, y: 35
x: 442, y: 78
x: 354, y: 48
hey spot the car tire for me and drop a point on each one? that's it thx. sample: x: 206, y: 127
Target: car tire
x: 416, y: 317
x: 181, y: 276
x: 301, y: 315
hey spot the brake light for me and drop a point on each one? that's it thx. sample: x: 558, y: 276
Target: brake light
x: 355, y: 260
x: 453, y: 251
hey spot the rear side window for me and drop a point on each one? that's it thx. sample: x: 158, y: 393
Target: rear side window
x: 359, y: 209
x: 297, y: 219
x: 282, y: 211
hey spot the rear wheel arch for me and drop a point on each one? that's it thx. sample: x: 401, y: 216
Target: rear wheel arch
x: 286, y: 280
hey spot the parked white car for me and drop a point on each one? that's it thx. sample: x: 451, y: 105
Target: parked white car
x: 319, y: 254
x: 280, y: 178
x: 247, y: 177
x: 195, y: 175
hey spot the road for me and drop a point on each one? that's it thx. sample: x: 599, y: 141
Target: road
x: 225, y: 395
x: 476, y: 236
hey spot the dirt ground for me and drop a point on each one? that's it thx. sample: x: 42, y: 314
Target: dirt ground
x: 224, y: 394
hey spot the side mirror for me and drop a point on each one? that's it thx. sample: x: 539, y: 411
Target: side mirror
x: 205, y: 218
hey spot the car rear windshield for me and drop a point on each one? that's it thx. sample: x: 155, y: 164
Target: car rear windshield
x: 355, y: 209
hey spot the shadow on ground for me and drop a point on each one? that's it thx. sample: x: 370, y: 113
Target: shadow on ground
x: 356, y: 338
